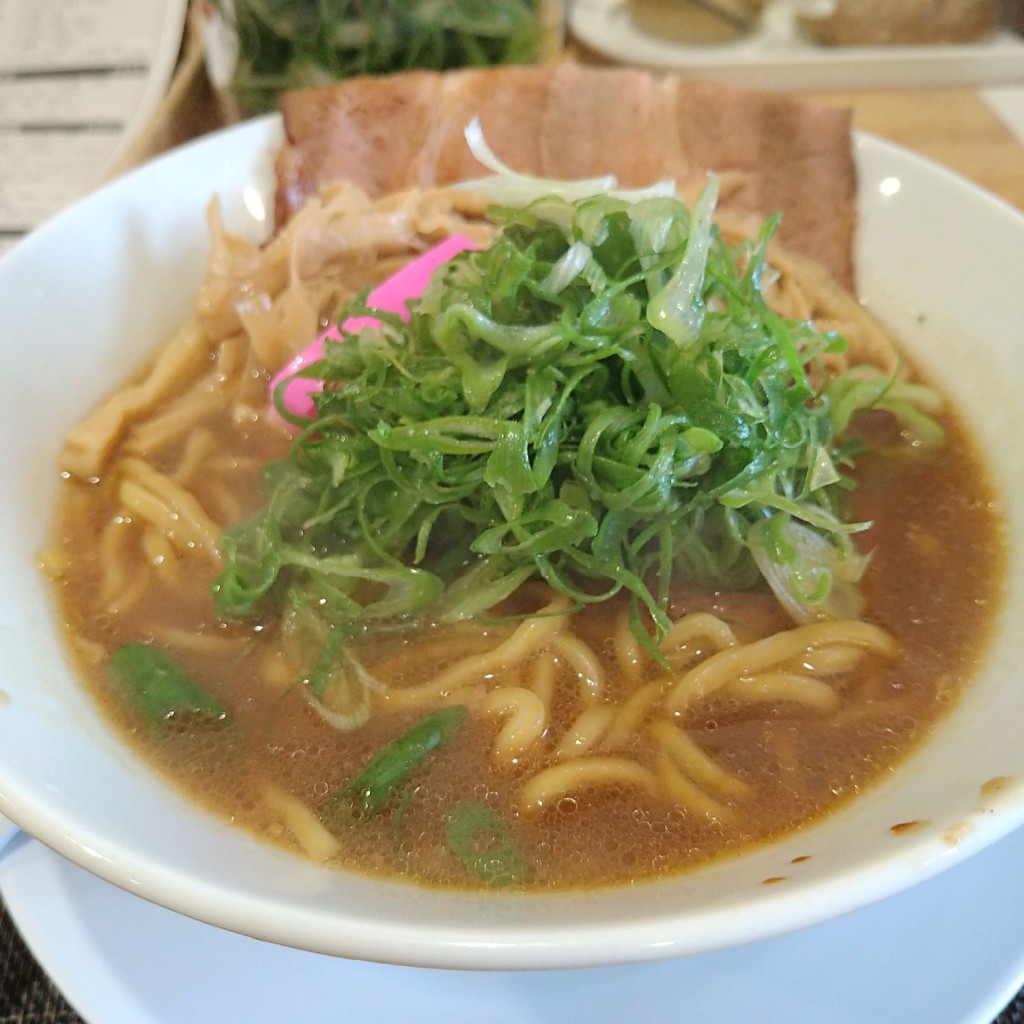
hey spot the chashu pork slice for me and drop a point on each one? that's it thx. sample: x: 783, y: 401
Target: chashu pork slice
x: 773, y: 152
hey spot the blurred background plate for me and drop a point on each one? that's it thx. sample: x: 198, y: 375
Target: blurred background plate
x: 775, y: 56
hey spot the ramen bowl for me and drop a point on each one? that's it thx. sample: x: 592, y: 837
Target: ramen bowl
x: 87, y: 299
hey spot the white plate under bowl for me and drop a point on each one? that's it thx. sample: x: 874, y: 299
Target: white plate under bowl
x: 950, y: 950
x: 86, y: 299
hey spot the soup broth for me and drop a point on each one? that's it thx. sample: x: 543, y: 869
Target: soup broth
x: 931, y: 584
x: 527, y: 734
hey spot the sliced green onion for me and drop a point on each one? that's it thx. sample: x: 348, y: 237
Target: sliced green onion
x: 515, y: 189
x: 159, y: 687
x: 600, y: 399
x: 813, y: 577
x: 397, y: 761
x: 480, y: 838
x: 678, y: 308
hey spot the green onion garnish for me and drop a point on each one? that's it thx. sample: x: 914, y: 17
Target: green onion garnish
x: 480, y: 838
x: 400, y: 758
x: 159, y: 687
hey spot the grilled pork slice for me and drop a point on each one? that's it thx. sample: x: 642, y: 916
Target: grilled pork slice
x: 772, y: 152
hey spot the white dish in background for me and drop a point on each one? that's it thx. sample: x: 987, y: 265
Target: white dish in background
x: 776, y: 56
x: 122, y: 266
x: 951, y: 950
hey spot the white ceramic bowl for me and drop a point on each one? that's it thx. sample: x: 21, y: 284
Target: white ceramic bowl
x: 87, y: 298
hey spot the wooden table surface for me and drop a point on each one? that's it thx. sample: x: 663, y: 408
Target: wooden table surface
x: 954, y: 127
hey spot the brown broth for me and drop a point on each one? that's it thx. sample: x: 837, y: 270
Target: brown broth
x: 933, y: 581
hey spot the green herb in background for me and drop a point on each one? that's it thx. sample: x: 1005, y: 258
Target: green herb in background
x: 294, y: 44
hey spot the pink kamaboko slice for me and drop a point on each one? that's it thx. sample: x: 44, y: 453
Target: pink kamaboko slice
x: 390, y: 296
